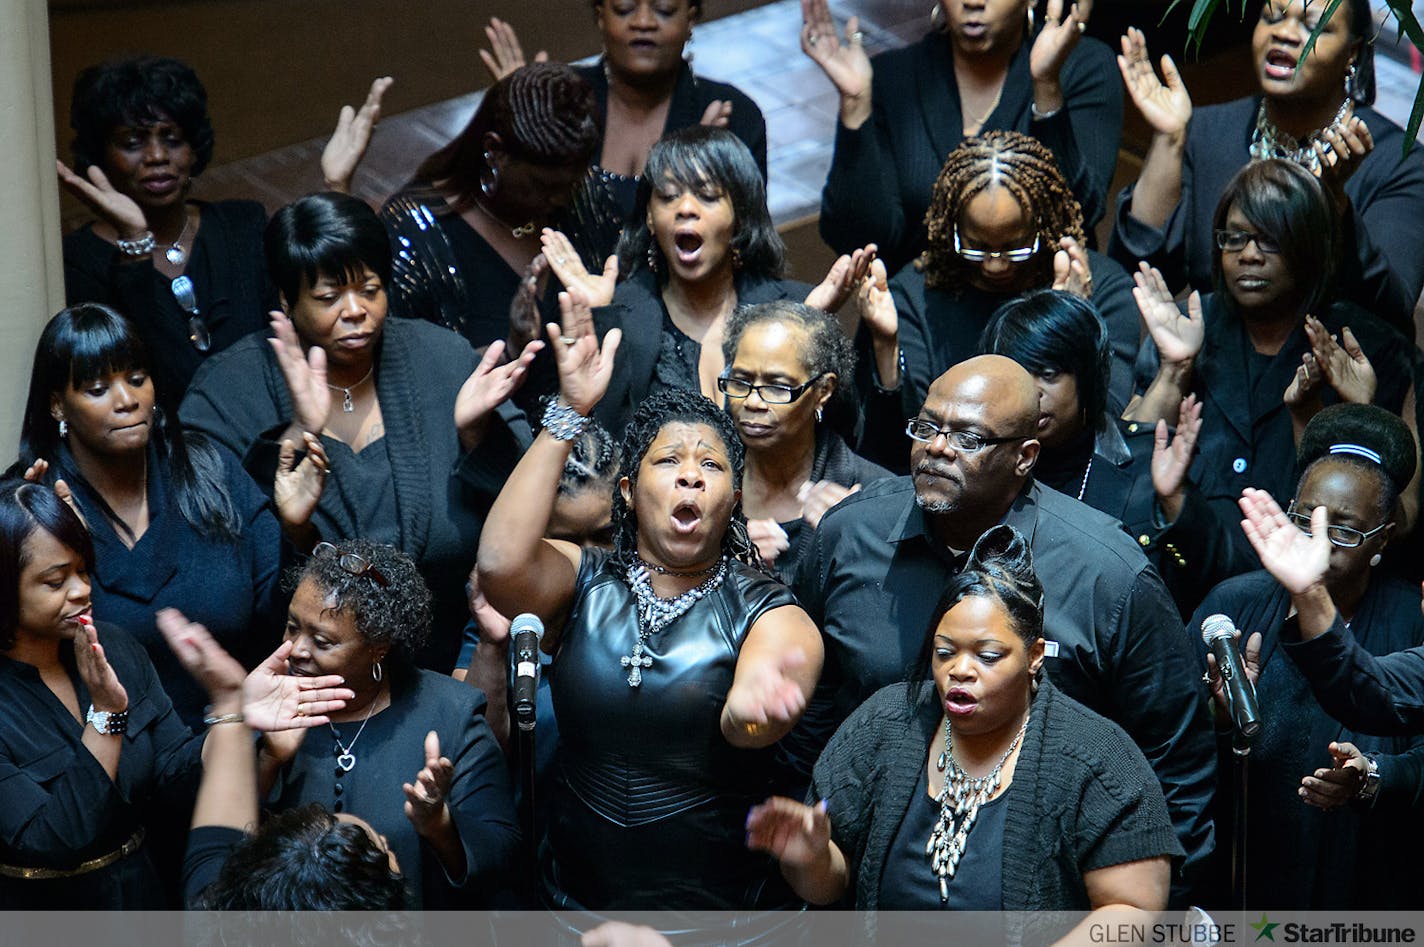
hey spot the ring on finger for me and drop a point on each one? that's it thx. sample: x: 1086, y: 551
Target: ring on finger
x: 568, y: 341
x: 857, y: 37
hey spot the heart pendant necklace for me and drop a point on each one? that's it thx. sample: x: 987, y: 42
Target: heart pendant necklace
x: 345, y: 755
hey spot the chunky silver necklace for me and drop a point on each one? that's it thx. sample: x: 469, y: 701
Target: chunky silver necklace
x: 1268, y: 141
x: 655, y: 614
x: 960, y: 798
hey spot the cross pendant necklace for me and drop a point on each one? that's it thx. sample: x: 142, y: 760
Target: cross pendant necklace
x: 635, y: 663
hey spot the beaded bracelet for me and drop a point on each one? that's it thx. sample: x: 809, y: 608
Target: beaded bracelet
x: 562, y: 422
x: 143, y: 246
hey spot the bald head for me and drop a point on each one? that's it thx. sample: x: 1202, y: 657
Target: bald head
x: 1001, y: 385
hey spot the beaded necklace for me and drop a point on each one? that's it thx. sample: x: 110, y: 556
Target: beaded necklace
x: 1268, y: 141
x: 655, y: 613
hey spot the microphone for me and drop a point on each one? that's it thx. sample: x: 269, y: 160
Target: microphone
x: 1219, y: 634
x: 525, y: 633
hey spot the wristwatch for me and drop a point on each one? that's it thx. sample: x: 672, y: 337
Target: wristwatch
x: 108, y: 722
x: 1371, y: 786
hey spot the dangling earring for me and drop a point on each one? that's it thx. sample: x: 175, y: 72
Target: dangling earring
x: 936, y: 15
x: 687, y: 52
x: 736, y: 259
x: 818, y: 415
x: 653, y: 257
x: 377, y: 672
x: 1352, y: 74
x: 1030, y: 20
x: 63, y: 428
x: 489, y: 182
x: 1374, y: 560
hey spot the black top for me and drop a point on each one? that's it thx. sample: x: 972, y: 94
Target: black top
x: 651, y: 802
x: 62, y: 809
x: 908, y: 883
x: 1303, y: 858
x: 882, y: 174
x: 229, y: 274
x: 638, y: 309
x: 389, y: 753
x: 1082, y: 798
x: 441, y: 493
x: 1382, y: 695
x: 606, y: 201
x: 1385, y: 224
x: 1119, y: 644
x: 208, y: 849
x: 231, y: 588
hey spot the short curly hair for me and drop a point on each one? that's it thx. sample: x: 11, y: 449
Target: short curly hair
x: 829, y: 350
x: 138, y: 91
x: 397, y: 614
x: 671, y: 406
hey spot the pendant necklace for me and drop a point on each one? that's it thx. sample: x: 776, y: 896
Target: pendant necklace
x: 345, y: 755
x: 655, y: 614
x: 527, y: 229
x: 347, y: 404
x: 175, y: 253
x: 960, y: 798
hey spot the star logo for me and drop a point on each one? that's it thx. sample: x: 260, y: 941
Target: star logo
x: 1265, y: 928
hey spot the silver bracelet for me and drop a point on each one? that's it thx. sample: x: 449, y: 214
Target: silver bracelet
x: 143, y: 246
x: 1042, y: 116
x: 213, y: 721
x: 562, y: 422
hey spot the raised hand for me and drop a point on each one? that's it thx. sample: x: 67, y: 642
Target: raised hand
x: 305, y: 375
x: 584, y: 366
x: 1172, y: 458
x: 1250, y: 663
x: 505, y: 54
x: 105, y: 691
x: 1302, y: 395
x: 1332, y: 788
x: 1057, y: 39
x: 841, y: 279
x: 297, y: 487
x: 569, y: 268
x: 718, y: 114
x: 425, y: 798
x: 769, y: 538
x: 1297, y: 561
x: 1070, y: 269
x: 817, y: 498
x: 117, y: 210
x: 274, y: 700
x: 876, y: 304
x: 524, y: 316
x: 1178, y: 336
x: 201, y: 656
x: 487, y: 388
x: 1165, y: 102
x: 1342, y: 364
x: 1340, y: 154
x: 793, y: 833
x: 343, y: 153
x: 845, y: 64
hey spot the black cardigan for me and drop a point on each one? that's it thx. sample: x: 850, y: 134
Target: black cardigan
x: 1082, y: 796
x: 882, y: 173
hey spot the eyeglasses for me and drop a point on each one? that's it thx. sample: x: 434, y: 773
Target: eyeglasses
x: 352, y: 564
x: 964, y: 441
x: 1234, y: 241
x: 771, y: 394
x: 1344, y: 536
x: 198, y: 332
x: 1017, y: 255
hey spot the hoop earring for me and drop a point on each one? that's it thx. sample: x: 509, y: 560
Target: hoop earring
x: 377, y: 672
x: 1375, y: 560
x: 489, y: 181
x: 63, y: 428
x: 1030, y: 19
x: 937, y: 17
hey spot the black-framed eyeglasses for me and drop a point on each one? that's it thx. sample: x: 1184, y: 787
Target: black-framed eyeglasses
x: 1234, y: 241
x: 352, y: 564
x: 1346, y: 537
x: 1016, y: 255
x: 771, y: 394
x: 964, y: 441
x: 198, y: 333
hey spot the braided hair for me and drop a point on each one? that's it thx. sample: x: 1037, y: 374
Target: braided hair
x: 671, y: 406
x: 1023, y: 166
x: 544, y: 113
x: 593, y: 460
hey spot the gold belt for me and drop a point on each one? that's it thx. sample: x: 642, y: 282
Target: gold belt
x: 83, y: 868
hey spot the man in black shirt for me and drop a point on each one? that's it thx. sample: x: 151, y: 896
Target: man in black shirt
x: 1115, y: 641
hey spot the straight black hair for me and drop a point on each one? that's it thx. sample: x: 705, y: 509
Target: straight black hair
x: 138, y: 91
x: 24, y: 508
x: 327, y: 234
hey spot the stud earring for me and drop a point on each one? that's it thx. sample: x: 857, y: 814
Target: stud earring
x: 489, y: 182
x: 63, y: 428
x: 1374, y: 560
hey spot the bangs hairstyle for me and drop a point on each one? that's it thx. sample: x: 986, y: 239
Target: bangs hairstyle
x: 25, y: 508
x: 1368, y: 426
x: 672, y: 406
x: 91, y: 341
x: 137, y: 92
x: 543, y: 113
x: 1285, y: 202
x: 1055, y: 331
x: 1000, y: 567
x: 702, y: 158
x: 396, y: 614
x: 328, y: 234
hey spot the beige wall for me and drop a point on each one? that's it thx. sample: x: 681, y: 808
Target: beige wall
x: 31, y: 274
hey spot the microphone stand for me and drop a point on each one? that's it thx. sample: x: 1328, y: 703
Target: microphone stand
x: 524, y: 752
x: 1240, y: 755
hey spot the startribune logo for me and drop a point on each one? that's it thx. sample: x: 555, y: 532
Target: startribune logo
x: 1265, y: 929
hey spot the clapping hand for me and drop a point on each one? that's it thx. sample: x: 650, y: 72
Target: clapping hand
x: 1340, y: 154
x: 105, y: 691
x: 1342, y: 364
x: 505, y: 54
x: 793, y: 833
x: 1070, y: 269
x: 1297, y: 561
x: 116, y: 209
x: 425, y: 805
x: 769, y: 538
x: 569, y: 268
x: 849, y: 270
x: 718, y: 114
x: 297, y: 487
x: 817, y: 498
x: 1331, y: 788
x: 1178, y: 336
x: 1165, y: 102
x: 524, y: 315
x: 1057, y: 39
x: 343, y: 153
x: 305, y: 375
x: 1172, y: 457
x: 487, y: 388
x: 584, y: 366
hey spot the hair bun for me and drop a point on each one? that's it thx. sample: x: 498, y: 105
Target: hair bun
x: 1368, y: 426
x: 1002, y: 550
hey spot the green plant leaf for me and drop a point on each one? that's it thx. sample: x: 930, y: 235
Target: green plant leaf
x: 1330, y: 9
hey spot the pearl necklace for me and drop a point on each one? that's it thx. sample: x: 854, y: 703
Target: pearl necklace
x: 961, y: 795
x: 655, y: 613
x: 1083, y: 487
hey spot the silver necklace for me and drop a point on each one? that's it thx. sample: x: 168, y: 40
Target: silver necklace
x: 1083, y: 487
x: 960, y: 798
x: 655, y: 614
x: 175, y: 253
x: 347, y: 404
x: 1268, y: 141
x: 346, y: 759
